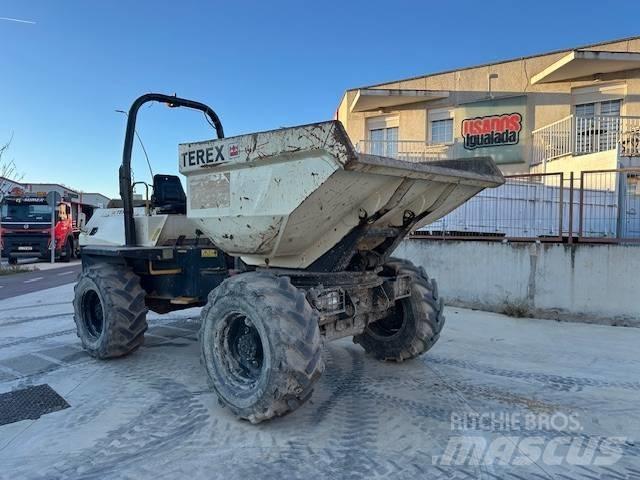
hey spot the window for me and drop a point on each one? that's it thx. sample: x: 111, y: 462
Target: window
x: 597, y: 125
x: 23, y: 212
x: 610, y: 108
x: 586, y: 110
x: 442, y: 131
x: 440, y: 126
x: 384, y: 141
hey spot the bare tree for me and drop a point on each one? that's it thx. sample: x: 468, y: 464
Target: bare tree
x: 8, y: 170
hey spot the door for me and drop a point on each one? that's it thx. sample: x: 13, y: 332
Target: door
x: 609, y: 130
x: 384, y: 142
x: 598, y: 126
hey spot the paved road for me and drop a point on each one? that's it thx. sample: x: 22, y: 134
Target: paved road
x: 21, y: 283
x: 151, y: 415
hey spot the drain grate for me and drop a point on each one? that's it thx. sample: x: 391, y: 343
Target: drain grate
x: 29, y: 404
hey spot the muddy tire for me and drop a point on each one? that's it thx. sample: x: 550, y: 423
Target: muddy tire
x: 413, y: 325
x: 261, y: 345
x: 109, y: 311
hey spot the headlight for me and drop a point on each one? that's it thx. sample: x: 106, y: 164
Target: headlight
x: 330, y: 302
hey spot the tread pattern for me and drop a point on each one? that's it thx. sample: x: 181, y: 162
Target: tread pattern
x: 291, y: 327
x: 427, y: 309
x: 124, y: 310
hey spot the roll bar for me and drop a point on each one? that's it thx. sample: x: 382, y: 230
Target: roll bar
x: 126, y: 189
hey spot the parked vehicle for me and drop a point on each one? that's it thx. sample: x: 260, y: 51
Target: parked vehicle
x: 285, y: 237
x: 25, y: 227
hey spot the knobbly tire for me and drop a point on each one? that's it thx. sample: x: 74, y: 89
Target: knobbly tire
x: 109, y: 311
x: 261, y: 345
x: 413, y: 325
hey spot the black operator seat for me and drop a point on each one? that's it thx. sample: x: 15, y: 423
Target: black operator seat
x: 168, y: 195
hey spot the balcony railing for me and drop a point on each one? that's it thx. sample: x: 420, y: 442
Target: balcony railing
x: 410, y: 150
x: 577, y: 135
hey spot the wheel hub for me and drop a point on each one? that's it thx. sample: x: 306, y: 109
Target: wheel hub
x: 245, y: 349
x: 248, y: 346
x: 93, y: 314
x: 393, y: 323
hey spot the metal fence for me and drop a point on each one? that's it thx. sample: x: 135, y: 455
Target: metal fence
x: 409, y: 150
x: 581, y: 135
x: 596, y: 206
x: 552, y: 141
x: 525, y: 207
x: 609, y: 205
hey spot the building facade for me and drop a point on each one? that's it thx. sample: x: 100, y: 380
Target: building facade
x: 564, y: 111
x: 11, y: 187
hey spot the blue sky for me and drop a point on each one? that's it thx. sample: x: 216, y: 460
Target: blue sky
x: 259, y: 64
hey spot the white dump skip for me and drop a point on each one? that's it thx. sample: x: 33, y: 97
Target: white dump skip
x: 285, y: 197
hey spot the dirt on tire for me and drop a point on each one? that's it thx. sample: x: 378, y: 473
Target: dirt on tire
x: 109, y: 311
x: 290, y: 347
x: 413, y: 326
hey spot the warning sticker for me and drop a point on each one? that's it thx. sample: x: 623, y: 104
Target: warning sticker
x: 234, y: 150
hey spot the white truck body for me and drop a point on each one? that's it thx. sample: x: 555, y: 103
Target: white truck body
x: 106, y: 227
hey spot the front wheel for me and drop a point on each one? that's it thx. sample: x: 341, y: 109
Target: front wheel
x: 413, y: 324
x: 109, y: 311
x: 260, y: 345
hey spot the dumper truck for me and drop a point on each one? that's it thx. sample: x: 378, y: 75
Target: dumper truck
x: 285, y: 238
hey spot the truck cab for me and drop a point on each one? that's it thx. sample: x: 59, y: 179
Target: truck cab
x: 25, y: 228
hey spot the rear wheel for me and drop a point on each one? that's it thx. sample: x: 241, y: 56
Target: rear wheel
x: 12, y: 260
x: 109, y: 311
x: 260, y: 345
x: 68, y: 251
x: 413, y: 325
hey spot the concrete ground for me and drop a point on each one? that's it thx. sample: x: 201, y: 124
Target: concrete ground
x: 151, y: 415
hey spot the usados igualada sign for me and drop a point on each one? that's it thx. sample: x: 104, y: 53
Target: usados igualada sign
x: 491, y: 131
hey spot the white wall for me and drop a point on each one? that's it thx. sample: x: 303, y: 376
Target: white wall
x: 94, y: 199
x: 593, y: 283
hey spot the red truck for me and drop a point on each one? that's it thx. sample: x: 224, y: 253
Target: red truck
x: 25, y: 228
